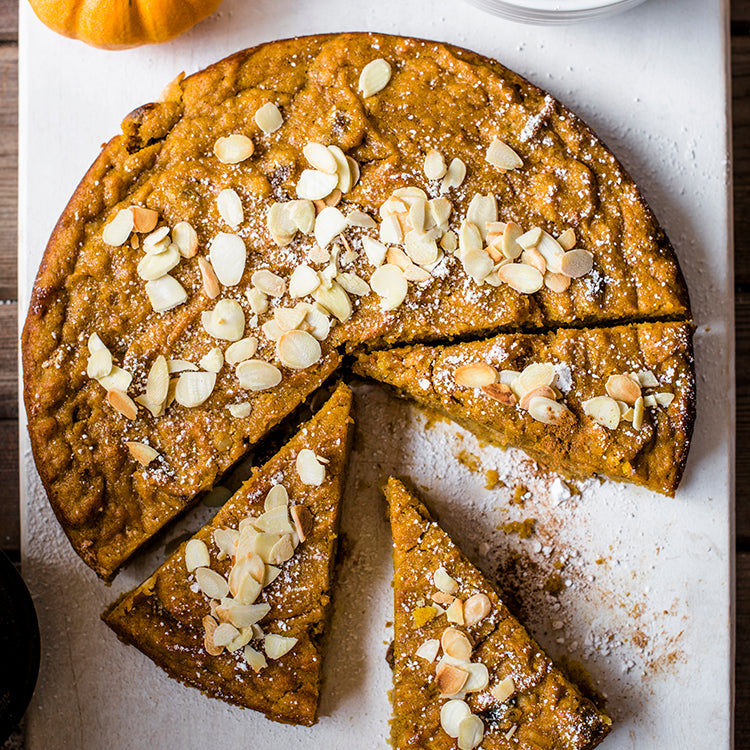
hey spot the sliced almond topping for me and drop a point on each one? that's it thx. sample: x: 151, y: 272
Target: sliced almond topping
x: 228, y: 256
x: 390, y: 230
x: 439, y: 210
x: 479, y: 677
x: 256, y: 375
x: 530, y: 238
x: 444, y: 582
x: 556, y: 282
x: 541, y: 390
x: 277, y: 497
x: 302, y: 213
x: 99, y: 364
x: 117, y: 380
x: 335, y: 300
x: 271, y: 330
x: 303, y: 521
x: 452, y: 713
x: 289, y: 318
x: 278, y: 645
x: 196, y: 555
x: 95, y: 343
x: 343, y: 170
x: 269, y: 283
x: 389, y: 283
x: 276, y: 521
x: 502, y: 156
x: 118, y: 230
x: 353, y: 284
x: 311, y: 471
x: 303, y: 281
x: 226, y: 321
x: 245, y: 588
x: 428, y: 650
x: 455, y: 644
x: 258, y: 300
x: 121, y: 402
x: 397, y: 257
x: 455, y: 612
x: 470, y: 733
x: 354, y: 170
x: 623, y: 388
x: 240, y: 411
x: 361, y: 219
x: 210, y: 280
x: 647, y: 379
x: 241, y: 350
x: 157, y: 242
x: 329, y: 224
x: 603, y: 410
x: 213, y: 360
x: 230, y: 207
x: 142, y: 453
x: 282, y: 551
x: 193, y: 388
x: 374, y: 250
x: 210, y: 625
x: 165, y: 293
x: 548, y: 411
x: 482, y: 211
x: 374, y: 77
x: 522, y: 278
x: 503, y: 690
x: 477, y: 264
x: 152, y: 267
x: 315, y: 185
x: 417, y: 212
x: 255, y: 659
x: 441, y: 598
x: 476, y: 608
x: 434, y: 165
x: 144, y: 219
x: 233, y: 149
x: 268, y: 118
x: 280, y: 223
x: 500, y: 392
x: 475, y: 375
x: 567, y: 239
x: 550, y: 249
x: 510, y: 247
x: 576, y: 263
x: 298, y: 350
x: 469, y: 237
x: 638, y: 409
x: 211, y: 583
x: 420, y: 248
x: 664, y: 399
x: 224, y: 634
x: 454, y: 176
x: 320, y: 157
x: 243, y: 615
x: 450, y: 679
x: 532, y: 257
x: 186, y: 239
x: 416, y: 273
x: 536, y: 374
x: 448, y: 242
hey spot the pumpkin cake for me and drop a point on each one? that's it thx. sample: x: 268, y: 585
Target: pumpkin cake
x: 465, y: 671
x: 239, y: 610
x: 616, y: 401
x: 294, y: 201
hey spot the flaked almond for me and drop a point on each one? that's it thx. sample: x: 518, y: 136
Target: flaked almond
x: 210, y: 625
x: 416, y: 273
x: 391, y: 232
x: 230, y: 207
x: 567, y: 239
x: 244, y: 587
x: 193, y: 388
x: 278, y: 645
x: 228, y: 256
x: 268, y: 118
x: 374, y: 77
x: 281, y: 551
x: 354, y: 171
x: 157, y: 242
x: 142, y: 453
x: 226, y: 321
x: 152, y: 267
x: 225, y: 540
x: 255, y: 659
x: 329, y: 223
x: 211, y: 583
x: 99, y: 364
x: 315, y: 185
x: 553, y: 254
x: 420, y: 248
x: 303, y: 281
x: 500, y: 392
x: 444, y: 582
x: 482, y: 211
x: 576, y: 263
x: 320, y: 157
x: 439, y: 211
x: 479, y: 677
x: 450, y: 679
x: 240, y: 411
x: 257, y: 299
x: 540, y: 390
x: 144, y: 219
x: 522, y: 278
x: 455, y: 612
x: 374, y: 250
x: 303, y: 521
x: 440, y: 597
x: 389, y: 283
x: 289, y: 318
x: 469, y: 237
x: 603, y: 410
x: 664, y: 399
x: 455, y: 644
x: 317, y: 322
x: 530, y: 238
x: 298, y: 350
x: 434, y: 165
x: 117, y: 380
x: 335, y: 300
x: 503, y: 690
x: 647, y: 379
x: 353, y: 284
x: 428, y: 650
x: 310, y: 470
x: 477, y: 264
x: 196, y: 555
x: 360, y: 219
x: 449, y: 242
x: 241, y: 350
x: 256, y: 375
x: 397, y: 257
x: 280, y: 223
x: 269, y: 283
x: 532, y: 257
x: 277, y: 497
x: 242, y: 615
x: 475, y: 375
x: 556, y: 282
x: 233, y: 149
x: 213, y: 360
x: 638, y: 409
x: 470, y: 733
x: 623, y: 388
x: 548, y: 411
x: 165, y: 293
x: 186, y: 239
x: 210, y: 280
x: 452, y: 713
x: 275, y: 521
x: 535, y: 375
x: 224, y: 634
x: 476, y: 608
x: 343, y: 169
x: 302, y: 213
x: 454, y: 176
x: 271, y: 330
x: 118, y: 230
x: 122, y: 403
x: 502, y: 156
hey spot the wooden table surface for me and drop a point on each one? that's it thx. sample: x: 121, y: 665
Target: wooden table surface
x: 9, y: 481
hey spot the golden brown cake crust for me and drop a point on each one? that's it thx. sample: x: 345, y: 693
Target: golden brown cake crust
x: 544, y: 709
x: 654, y: 455
x: 163, y: 616
x: 108, y: 504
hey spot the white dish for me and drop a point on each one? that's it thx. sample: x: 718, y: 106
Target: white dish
x: 652, y: 624
x: 554, y: 11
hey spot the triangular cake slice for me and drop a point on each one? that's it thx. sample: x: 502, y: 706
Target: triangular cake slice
x: 465, y: 671
x: 615, y: 401
x: 240, y: 609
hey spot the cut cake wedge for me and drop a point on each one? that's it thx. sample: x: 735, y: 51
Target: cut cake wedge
x: 615, y: 401
x: 245, y: 623
x: 465, y: 670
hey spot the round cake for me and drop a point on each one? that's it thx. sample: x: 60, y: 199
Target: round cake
x: 306, y: 199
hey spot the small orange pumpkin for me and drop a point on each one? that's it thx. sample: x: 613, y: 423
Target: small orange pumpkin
x: 118, y: 24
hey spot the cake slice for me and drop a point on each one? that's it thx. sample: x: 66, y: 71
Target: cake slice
x: 239, y: 610
x: 616, y: 401
x: 465, y: 671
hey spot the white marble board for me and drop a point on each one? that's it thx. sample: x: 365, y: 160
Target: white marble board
x: 647, y: 605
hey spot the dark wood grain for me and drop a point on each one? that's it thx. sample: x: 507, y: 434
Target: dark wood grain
x: 9, y: 20
x: 742, y: 661
x: 8, y: 170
